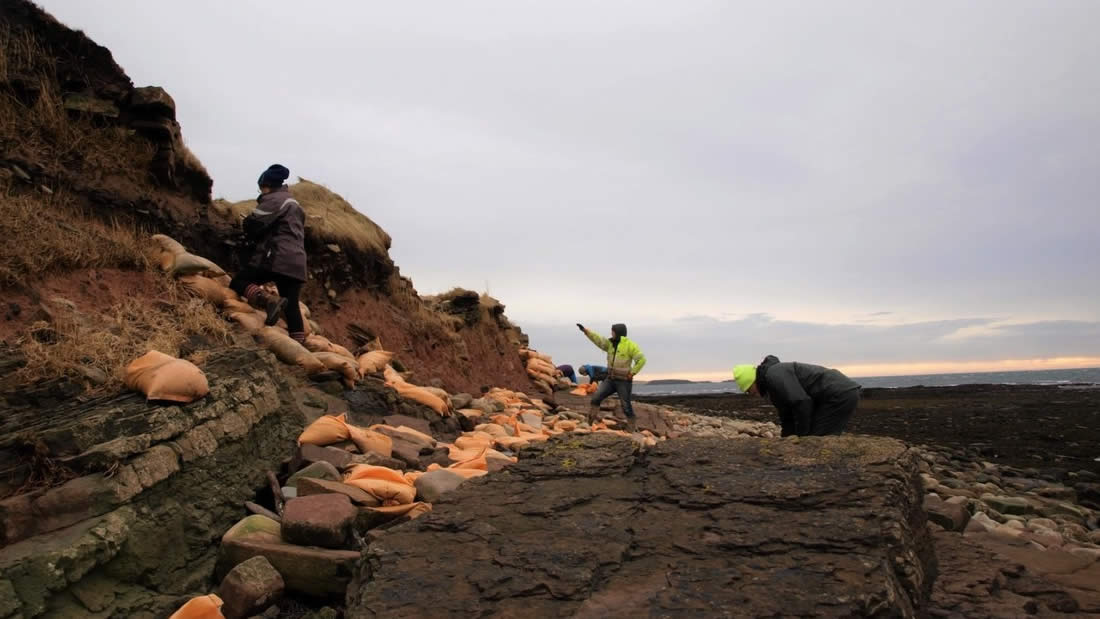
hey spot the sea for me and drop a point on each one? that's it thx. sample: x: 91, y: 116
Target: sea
x: 1081, y: 376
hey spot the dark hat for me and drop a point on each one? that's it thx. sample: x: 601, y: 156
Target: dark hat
x: 274, y: 176
x: 619, y: 329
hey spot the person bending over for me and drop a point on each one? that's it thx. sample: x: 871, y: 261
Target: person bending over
x: 810, y: 399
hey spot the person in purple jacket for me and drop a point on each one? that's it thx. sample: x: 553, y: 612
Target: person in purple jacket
x: 275, y: 230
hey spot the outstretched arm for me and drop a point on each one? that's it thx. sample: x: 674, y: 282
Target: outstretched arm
x: 600, y: 341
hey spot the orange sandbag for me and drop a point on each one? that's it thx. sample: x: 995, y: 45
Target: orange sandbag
x: 512, y: 442
x: 471, y: 413
x: 208, y: 289
x: 474, y: 442
x: 391, y: 376
x: 375, y: 361
x: 503, y: 420
x: 344, y: 365
x: 441, y: 394
x: 478, y: 463
x: 163, y: 377
x: 190, y: 264
x: 169, y: 245
x: 202, y: 607
x: 492, y: 429
x: 371, y: 441
x: 343, y: 352
x: 289, y: 351
x: 417, y: 394
x: 565, y: 425
x: 317, y: 343
x: 384, y: 484
x: 327, y: 430
x: 251, y: 322
x: 237, y: 305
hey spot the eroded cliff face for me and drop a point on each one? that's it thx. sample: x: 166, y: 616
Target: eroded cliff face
x: 152, y: 490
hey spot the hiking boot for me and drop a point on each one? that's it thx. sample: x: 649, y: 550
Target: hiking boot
x: 272, y: 304
x: 631, y: 426
x: 593, y: 415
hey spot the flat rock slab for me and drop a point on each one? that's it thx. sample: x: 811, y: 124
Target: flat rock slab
x: 589, y: 526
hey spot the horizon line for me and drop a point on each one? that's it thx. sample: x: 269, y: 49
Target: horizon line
x: 918, y: 368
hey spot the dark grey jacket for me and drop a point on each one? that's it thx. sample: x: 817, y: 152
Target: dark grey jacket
x: 797, y: 388
x: 277, y: 227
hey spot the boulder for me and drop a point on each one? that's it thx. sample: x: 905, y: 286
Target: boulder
x: 950, y: 516
x: 407, y: 453
x: 358, y: 496
x: 323, y: 520
x: 379, y: 460
x: 823, y: 526
x: 315, y: 572
x: 317, y: 470
x: 338, y: 458
x: 433, y: 485
x: 420, y: 425
x: 250, y: 588
x: 1008, y: 504
x: 461, y: 400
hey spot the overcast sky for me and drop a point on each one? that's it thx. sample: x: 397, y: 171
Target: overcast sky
x: 880, y: 186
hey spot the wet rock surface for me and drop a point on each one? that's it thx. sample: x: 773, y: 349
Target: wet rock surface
x: 588, y: 525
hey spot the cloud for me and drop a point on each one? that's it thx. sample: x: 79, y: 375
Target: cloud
x: 705, y: 345
x: 644, y: 161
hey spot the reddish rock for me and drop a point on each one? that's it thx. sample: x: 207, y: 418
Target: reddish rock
x: 250, y: 588
x: 323, y: 520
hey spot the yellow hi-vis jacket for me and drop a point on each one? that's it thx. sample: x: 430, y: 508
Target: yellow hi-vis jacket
x: 622, y: 360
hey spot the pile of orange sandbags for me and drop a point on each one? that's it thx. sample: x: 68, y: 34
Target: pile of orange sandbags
x: 415, y: 393
x: 165, y: 378
x: 541, y: 370
x: 330, y: 429
x: 585, y: 389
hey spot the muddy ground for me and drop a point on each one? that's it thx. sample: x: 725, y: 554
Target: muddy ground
x: 1055, y: 429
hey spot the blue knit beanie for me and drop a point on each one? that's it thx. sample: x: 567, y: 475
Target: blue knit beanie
x: 274, y: 176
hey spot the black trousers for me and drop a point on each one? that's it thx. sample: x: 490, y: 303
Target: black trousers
x: 289, y: 289
x: 622, y: 387
x: 832, y: 415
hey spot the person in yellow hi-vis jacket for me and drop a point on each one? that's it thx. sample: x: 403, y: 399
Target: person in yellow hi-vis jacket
x: 624, y: 361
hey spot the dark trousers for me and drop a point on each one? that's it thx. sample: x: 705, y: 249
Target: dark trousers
x: 610, y: 386
x: 832, y: 415
x: 289, y: 289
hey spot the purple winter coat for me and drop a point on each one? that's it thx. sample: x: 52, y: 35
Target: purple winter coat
x: 278, y: 228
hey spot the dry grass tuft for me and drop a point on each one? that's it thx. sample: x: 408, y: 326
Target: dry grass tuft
x: 74, y: 341
x: 329, y: 218
x: 46, y: 233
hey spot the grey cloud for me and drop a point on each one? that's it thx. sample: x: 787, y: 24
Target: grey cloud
x: 703, y: 344
x: 646, y: 160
